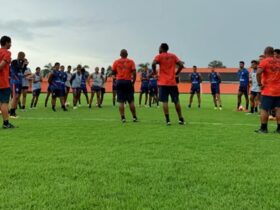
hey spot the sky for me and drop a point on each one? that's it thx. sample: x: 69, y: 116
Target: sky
x: 92, y: 32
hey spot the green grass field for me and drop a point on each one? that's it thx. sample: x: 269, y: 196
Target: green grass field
x: 87, y: 159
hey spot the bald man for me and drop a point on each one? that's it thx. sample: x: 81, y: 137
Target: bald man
x: 124, y: 71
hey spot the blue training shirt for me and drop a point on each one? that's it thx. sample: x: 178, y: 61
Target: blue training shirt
x: 243, y: 75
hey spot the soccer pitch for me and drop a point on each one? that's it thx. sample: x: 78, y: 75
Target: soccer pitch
x: 88, y: 159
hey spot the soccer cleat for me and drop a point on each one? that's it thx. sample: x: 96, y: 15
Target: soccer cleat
x: 89, y: 106
x: 215, y: 108
x: 190, y: 106
x: 54, y: 109
x: 261, y: 131
x: 13, y: 116
x: 65, y: 110
x: 182, y: 122
x: 221, y: 109
x: 8, y: 126
x: 75, y: 107
x: 135, y: 120
x: 168, y: 123
x: 123, y: 120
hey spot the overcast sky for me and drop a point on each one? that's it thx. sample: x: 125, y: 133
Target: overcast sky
x: 94, y: 31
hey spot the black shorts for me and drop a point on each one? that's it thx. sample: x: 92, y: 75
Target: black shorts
x: 76, y: 91
x: 153, y: 90
x: 144, y: 89
x: 36, y: 93
x: 103, y: 90
x: 243, y: 90
x: 95, y: 89
x: 195, y: 89
x: 165, y: 91
x: 114, y: 87
x: 58, y: 93
x: 5, y: 95
x: 215, y: 89
x: 25, y: 87
x: 125, y: 91
x: 84, y: 89
x: 255, y: 94
x: 16, y: 89
x: 269, y: 103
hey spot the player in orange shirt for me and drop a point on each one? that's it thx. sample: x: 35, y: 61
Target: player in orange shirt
x: 124, y: 70
x: 268, y: 76
x: 5, y: 90
x: 168, y: 63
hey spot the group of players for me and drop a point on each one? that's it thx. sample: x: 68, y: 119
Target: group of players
x: 159, y: 83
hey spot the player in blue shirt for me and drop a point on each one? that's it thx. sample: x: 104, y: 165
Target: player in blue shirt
x: 63, y: 81
x: 144, y: 86
x: 58, y: 86
x: 215, y: 81
x: 196, y: 80
x: 243, y: 75
x: 153, y: 88
x: 17, y: 71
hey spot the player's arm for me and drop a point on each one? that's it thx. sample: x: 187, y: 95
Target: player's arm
x: 219, y: 78
x: 180, y: 65
x: 72, y: 78
x: 2, y: 64
x: 154, y: 66
x: 259, y: 76
x: 50, y: 79
x: 200, y: 78
x: 133, y: 76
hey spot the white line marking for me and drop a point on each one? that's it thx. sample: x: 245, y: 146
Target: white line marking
x: 144, y: 121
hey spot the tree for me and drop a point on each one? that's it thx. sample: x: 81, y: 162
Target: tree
x: 143, y: 66
x: 47, y: 70
x: 216, y: 64
x: 83, y: 67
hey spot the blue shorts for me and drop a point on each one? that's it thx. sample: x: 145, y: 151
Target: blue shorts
x: 125, y: 91
x: 145, y: 89
x: 269, y: 103
x: 95, y: 89
x: 243, y: 89
x: 153, y: 90
x: 215, y: 89
x: 84, y: 89
x: 58, y: 93
x: 16, y: 88
x: 166, y: 91
x: 195, y: 89
x: 50, y: 89
x: 5, y: 95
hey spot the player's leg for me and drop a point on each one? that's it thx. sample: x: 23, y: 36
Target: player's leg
x: 199, y: 99
x: 140, y: 97
x: 54, y: 100
x: 15, y: 99
x: 98, y: 98
x: 247, y: 100
x: 257, y: 102
x: 91, y: 98
x: 130, y: 99
x: 114, y: 97
x: 239, y: 99
x: 33, y: 99
x: 24, y: 96
x: 191, y: 99
x: 215, y: 100
x: 278, y: 118
x: 5, y: 95
x: 219, y: 100
x: 252, y: 102
x: 38, y: 93
x: 163, y: 97
x: 47, y: 98
x: 174, y: 93
x: 267, y: 104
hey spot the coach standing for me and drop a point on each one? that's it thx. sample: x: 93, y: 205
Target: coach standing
x: 268, y: 76
x: 168, y: 73
x: 5, y: 90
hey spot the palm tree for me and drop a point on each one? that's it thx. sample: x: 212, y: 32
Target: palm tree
x: 143, y: 66
x: 83, y: 67
x: 47, y: 70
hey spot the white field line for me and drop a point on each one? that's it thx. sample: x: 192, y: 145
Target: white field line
x: 144, y: 121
